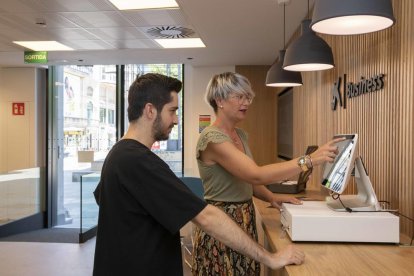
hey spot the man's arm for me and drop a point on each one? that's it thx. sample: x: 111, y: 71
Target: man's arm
x: 218, y: 224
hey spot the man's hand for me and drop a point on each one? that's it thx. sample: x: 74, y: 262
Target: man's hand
x: 286, y: 256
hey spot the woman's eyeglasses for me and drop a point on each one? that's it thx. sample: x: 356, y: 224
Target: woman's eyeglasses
x: 242, y: 98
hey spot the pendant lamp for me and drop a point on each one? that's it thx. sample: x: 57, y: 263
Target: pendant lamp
x: 309, y: 52
x: 348, y: 17
x: 277, y: 76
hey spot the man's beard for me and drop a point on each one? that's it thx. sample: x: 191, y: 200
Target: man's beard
x: 157, y: 130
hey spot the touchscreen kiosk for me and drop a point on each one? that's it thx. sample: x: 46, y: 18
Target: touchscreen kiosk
x: 336, y: 176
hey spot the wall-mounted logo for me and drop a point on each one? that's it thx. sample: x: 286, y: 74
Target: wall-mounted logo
x: 336, y: 94
x: 351, y: 90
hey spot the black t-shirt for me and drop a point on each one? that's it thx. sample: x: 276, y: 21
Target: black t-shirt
x: 142, y: 206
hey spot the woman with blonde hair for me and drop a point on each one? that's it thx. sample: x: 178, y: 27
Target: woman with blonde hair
x: 231, y: 177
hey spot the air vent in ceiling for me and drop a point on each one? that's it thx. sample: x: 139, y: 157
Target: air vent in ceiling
x: 170, y: 32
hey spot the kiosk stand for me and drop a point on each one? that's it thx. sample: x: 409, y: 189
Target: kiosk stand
x: 364, y: 200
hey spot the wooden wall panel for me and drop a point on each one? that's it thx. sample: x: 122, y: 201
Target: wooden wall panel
x: 384, y: 119
x: 261, y: 120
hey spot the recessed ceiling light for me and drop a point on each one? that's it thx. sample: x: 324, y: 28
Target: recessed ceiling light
x: 181, y: 43
x: 43, y: 45
x: 144, y: 4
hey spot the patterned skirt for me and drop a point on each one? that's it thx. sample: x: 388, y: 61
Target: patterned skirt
x: 211, y: 257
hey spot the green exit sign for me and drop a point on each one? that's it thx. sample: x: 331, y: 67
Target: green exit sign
x: 35, y: 57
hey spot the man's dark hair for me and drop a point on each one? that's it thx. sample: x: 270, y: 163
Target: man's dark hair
x: 150, y: 88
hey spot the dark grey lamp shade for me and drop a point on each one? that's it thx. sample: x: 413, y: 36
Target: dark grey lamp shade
x: 309, y: 52
x: 347, y: 17
x: 278, y: 77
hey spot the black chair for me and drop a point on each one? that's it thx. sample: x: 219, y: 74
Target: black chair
x: 196, y: 186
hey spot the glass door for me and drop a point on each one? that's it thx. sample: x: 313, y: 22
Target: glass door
x: 83, y: 130
x: 85, y: 111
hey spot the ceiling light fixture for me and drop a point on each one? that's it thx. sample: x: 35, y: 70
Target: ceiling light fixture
x: 144, y: 4
x: 181, y: 43
x: 277, y: 76
x: 339, y: 17
x: 43, y: 45
x: 309, y: 52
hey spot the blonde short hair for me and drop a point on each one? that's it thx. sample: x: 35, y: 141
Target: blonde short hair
x: 223, y: 85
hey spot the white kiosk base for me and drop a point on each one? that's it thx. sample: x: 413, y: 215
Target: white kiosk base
x: 315, y: 221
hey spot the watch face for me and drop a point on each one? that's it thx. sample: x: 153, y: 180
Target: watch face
x: 302, y: 164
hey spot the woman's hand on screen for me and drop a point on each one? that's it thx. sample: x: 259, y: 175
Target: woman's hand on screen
x: 326, y: 152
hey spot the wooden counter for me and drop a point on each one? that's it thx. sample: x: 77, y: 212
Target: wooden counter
x: 323, y: 258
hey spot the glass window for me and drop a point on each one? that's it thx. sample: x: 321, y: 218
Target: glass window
x: 111, y: 117
x: 84, y: 130
x: 171, y: 150
x: 102, y: 115
x: 88, y: 93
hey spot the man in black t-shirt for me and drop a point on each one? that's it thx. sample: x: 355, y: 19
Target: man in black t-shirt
x: 143, y: 204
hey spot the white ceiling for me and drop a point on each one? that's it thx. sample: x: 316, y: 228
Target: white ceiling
x: 236, y: 32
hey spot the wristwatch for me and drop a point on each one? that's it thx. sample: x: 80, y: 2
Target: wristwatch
x: 305, y: 163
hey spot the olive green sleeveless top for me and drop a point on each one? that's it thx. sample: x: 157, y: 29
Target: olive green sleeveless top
x: 219, y: 184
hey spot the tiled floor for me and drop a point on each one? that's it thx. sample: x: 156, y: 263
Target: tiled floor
x: 46, y: 259
x: 49, y: 259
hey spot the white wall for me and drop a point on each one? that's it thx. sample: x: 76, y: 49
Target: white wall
x: 19, y: 141
x: 22, y: 142
x: 195, y: 83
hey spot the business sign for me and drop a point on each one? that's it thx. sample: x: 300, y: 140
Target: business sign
x: 352, y: 90
x: 18, y: 108
x: 35, y: 57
